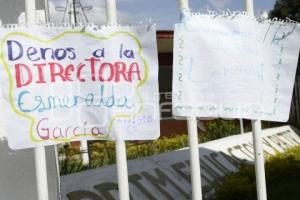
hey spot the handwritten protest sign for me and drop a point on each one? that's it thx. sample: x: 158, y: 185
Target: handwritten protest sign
x: 234, y: 66
x: 62, y: 84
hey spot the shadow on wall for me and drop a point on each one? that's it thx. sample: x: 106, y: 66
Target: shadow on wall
x: 17, y: 173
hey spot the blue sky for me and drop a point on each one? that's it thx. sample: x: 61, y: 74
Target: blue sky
x: 163, y: 12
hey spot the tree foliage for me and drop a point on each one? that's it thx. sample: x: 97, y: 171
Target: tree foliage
x: 286, y: 9
x: 282, y: 179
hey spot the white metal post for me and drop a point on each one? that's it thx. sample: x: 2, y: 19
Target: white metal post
x: 249, y: 7
x: 57, y: 170
x: 111, y: 14
x: 194, y: 159
x: 30, y: 11
x: 111, y: 11
x: 41, y: 173
x: 242, y: 126
x: 261, y: 188
x: 122, y: 170
x: 47, y: 14
x: 83, y: 143
x: 184, y: 5
x: 193, y: 139
x: 72, y: 13
x: 259, y: 161
x: 84, y: 149
x: 39, y: 152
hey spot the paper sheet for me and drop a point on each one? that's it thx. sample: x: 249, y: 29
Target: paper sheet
x: 62, y: 84
x: 234, y: 67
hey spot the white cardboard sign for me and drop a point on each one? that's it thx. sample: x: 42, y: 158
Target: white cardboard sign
x: 234, y: 66
x: 62, y: 84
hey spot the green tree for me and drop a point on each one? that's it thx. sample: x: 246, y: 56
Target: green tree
x: 286, y: 8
